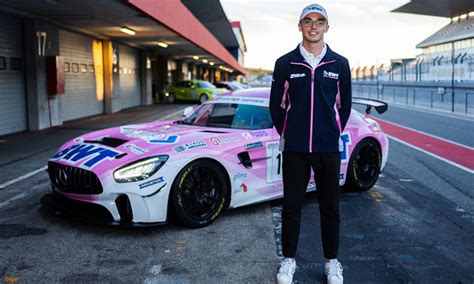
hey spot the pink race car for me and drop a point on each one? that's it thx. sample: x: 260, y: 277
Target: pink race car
x: 223, y: 154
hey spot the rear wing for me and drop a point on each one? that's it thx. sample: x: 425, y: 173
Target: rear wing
x: 379, y: 106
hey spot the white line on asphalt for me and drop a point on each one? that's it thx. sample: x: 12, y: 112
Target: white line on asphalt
x: 21, y: 195
x: 427, y: 134
x: 432, y: 155
x: 25, y: 176
x: 171, y: 115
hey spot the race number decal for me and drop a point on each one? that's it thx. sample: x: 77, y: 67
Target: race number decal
x: 274, y: 165
x: 346, y: 141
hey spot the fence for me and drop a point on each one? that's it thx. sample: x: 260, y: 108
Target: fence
x: 435, y: 96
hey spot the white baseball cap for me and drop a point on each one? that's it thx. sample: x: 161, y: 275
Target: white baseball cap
x: 314, y: 8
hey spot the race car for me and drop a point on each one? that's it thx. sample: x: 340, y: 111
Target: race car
x: 222, y: 154
x: 195, y: 90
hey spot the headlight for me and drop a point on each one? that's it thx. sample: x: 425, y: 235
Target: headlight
x: 140, y: 170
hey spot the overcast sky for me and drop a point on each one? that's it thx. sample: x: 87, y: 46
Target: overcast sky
x: 364, y: 31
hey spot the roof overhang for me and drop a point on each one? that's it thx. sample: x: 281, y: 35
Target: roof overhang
x: 153, y: 22
x: 211, y: 14
x: 440, y: 8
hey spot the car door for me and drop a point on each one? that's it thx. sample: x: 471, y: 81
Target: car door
x: 182, y: 90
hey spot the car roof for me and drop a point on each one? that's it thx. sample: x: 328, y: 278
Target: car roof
x: 262, y: 93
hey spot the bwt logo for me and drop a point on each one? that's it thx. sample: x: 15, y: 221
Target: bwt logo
x: 92, y: 155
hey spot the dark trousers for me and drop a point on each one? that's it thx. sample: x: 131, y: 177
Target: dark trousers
x: 296, y: 175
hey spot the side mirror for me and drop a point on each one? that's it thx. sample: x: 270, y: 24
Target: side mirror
x: 187, y: 111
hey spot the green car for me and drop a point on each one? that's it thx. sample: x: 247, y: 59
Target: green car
x: 196, y: 90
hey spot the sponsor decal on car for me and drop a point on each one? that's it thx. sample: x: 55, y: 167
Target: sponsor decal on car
x: 341, y: 176
x: 79, y: 140
x: 150, y: 137
x: 135, y: 149
x: 261, y: 133
x: 247, y: 135
x: 151, y: 182
x: 244, y: 187
x: 91, y: 155
x: 188, y: 146
x: 252, y: 101
x: 344, y: 142
x: 218, y: 141
x: 253, y: 145
x: 240, y: 176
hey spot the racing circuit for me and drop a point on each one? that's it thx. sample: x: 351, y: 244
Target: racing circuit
x: 414, y: 225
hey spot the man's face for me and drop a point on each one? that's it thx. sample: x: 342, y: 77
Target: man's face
x: 313, y: 26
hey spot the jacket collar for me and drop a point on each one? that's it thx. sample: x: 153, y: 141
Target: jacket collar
x: 297, y: 57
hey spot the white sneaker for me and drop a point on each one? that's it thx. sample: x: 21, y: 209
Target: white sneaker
x: 333, y: 270
x: 286, y: 271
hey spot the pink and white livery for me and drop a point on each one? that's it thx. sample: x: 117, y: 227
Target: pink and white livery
x: 223, y: 154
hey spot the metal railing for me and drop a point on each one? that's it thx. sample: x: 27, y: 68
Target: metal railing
x: 459, y: 100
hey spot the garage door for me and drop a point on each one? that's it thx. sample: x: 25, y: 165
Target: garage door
x: 129, y: 76
x: 81, y: 98
x: 12, y: 85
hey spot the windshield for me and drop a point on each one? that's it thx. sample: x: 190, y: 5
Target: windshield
x: 206, y: 85
x: 228, y: 115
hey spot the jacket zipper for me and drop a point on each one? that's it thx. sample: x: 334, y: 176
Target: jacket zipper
x: 312, y: 99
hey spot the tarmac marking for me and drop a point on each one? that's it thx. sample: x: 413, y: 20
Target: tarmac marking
x: 455, y: 154
x: 25, y: 176
x: 34, y: 172
x: 19, y: 196
x: 424, y: 133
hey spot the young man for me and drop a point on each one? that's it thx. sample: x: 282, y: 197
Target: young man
x: 310, y: 104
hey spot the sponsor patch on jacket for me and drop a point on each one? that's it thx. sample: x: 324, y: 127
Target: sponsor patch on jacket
x: 151, y: 182
x: 297, y: 75
x: 330, y: 75
x: 253, y: 145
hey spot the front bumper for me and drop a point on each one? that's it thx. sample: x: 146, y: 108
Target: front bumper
x: 86, y: 212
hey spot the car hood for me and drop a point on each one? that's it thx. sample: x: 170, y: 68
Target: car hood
x: 112, y: 148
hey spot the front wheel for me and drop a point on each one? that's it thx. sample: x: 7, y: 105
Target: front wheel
x: 364, y: 165
x: 171, y: 98
x: 199, y: 193
x: 203, y: 98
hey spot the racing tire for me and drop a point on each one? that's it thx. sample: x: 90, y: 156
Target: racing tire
x: 198, y: 194
x: 364, y: 166
x: 203, y: 98
x: 171, y: 98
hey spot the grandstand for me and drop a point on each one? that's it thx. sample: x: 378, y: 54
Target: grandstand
x: 447, y: 55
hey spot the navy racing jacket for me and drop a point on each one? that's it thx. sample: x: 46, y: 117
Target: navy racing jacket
x: 310, y: 107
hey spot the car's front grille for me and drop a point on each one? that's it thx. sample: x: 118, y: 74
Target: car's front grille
x: 74, y: 180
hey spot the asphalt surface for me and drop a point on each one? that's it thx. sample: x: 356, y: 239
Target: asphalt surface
x: 414, y: 226
x: 38, y: 247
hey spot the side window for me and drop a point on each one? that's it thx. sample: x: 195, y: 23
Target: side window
x: 202, y: 116
x: 181, y: 84
x: 252, y: 117
x: 222, y: 115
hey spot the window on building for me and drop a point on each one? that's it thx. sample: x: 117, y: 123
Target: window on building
x: 15, y: 63
x: 3, y: 63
